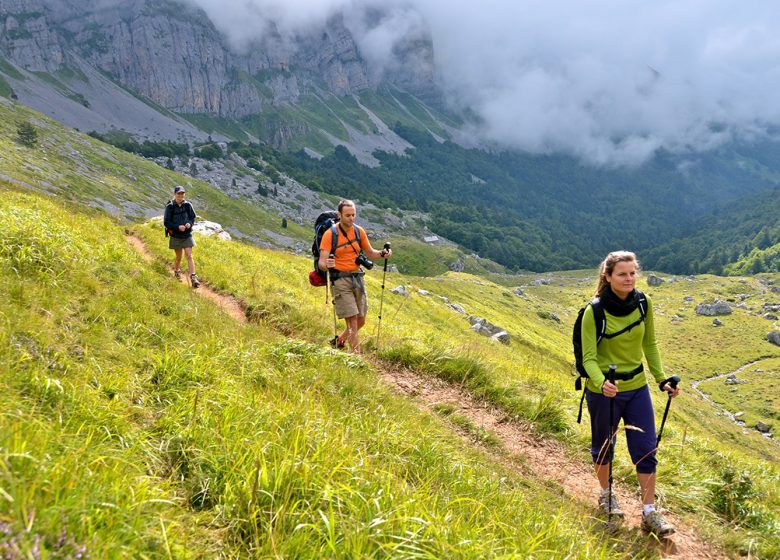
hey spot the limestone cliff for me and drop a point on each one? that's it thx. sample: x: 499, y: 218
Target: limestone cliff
x: 172, y: 54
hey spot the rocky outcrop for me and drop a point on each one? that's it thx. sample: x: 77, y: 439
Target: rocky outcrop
x: 654, y: 280
x: 718, y: 308
x: 211, y: 229
x: 774, y: 337
x: 485, y: 328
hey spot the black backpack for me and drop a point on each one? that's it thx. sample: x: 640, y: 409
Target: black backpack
x: 168, y: 232
x: 324, y: 222
x: 601, y: 328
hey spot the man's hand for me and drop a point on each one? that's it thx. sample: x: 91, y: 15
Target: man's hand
x: 182, y: 228
x: 385, y: 253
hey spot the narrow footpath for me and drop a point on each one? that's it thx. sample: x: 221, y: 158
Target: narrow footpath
x: 542, y: 458
x: 723, y: 411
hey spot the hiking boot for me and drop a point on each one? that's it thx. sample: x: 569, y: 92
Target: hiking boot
x: 655, y: 523
x: 194, y: 280
x: 177, y: 273
x: 615, y: 509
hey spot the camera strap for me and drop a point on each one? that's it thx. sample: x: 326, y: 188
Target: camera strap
x: 350, y: 241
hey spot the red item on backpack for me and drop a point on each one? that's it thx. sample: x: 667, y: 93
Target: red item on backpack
x: 316, y: 280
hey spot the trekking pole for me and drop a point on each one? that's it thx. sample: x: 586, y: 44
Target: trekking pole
x: 386, y: 248
x: 611, y: 379
x: 673, y: 381
x: 335, y: 325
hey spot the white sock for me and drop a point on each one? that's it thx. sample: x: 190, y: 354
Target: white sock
x: 647, y: 509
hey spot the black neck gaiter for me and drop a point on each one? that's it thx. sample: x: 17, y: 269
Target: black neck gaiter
x: 616, y: 306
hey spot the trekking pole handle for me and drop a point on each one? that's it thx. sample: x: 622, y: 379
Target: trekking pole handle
x: 611, y: 374
x: 385, y: 250
x: 673, y: 381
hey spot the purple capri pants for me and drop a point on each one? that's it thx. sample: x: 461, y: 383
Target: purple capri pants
x: 636, y: 409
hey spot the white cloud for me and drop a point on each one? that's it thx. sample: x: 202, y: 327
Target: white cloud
x: 611, y: 81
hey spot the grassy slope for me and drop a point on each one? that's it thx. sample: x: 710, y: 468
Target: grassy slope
x: 526, y: 378
x: 153, y: 423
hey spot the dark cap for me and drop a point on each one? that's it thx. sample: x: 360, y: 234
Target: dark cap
x: 179, y: 189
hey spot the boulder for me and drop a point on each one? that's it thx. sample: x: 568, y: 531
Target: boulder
x: 502, y: 337
x: 400, y: 291
x: 717, y: 322
x: 457, y: 266
x: 540, y: 282
x: 424, y: 292
x: 732, y: 380
x: 774, y: 337
x: 519, y: 292
x: 763, y: 428
x: 392, y: 268
x: 456, y: 307
x: 770, y: 316
x: 653, y: 280
x: 720, y: 307
x: 205, y: 227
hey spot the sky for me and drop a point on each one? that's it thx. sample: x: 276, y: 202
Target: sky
x: 609, y: 81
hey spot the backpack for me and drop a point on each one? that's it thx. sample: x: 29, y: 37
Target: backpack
x: 324, y: 222
x: 601, y: 328
x: 167, y: 231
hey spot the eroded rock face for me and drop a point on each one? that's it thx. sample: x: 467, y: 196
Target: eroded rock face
x: 774, y: 337
x: 173, y: 54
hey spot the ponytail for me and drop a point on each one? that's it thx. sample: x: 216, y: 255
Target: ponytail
x: 608, y: 265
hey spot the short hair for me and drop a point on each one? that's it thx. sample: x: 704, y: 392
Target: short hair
x: 345, y: 202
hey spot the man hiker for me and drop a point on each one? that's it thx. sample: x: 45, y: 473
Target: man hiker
x: 346, y: 273
x: 178, y: 219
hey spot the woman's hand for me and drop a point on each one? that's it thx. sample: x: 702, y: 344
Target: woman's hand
x: 673, y: 391
x: 609, y: 389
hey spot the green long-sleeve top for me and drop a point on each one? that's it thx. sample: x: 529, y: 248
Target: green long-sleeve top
x: 625, y: 350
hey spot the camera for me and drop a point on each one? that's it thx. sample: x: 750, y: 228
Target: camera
x: 361, y: 260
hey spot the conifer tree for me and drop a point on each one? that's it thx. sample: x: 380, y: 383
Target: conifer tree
x: 26, y: 135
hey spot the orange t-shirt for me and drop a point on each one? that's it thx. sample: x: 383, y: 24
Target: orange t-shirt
x: 347, y: 249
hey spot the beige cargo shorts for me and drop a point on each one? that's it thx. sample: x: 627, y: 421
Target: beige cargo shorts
x: 349, y: 296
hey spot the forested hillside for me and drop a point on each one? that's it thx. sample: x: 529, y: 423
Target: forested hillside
x: 550, y: 212
x: 741, y: 238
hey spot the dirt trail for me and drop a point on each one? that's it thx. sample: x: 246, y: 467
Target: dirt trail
x: 545, y: 459
x: 231, y: 305
x: 542, y: 458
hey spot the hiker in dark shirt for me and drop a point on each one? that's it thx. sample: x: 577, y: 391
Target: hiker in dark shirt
x: 628, y: 338
x: 179, y: 218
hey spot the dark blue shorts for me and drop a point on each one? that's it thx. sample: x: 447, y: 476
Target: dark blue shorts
x: 636, y: 409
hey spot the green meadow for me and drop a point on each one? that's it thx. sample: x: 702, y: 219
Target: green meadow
x: 138, y: 420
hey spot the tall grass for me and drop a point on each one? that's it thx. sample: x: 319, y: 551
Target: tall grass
x: 138, y: 420
x: 529, y: 379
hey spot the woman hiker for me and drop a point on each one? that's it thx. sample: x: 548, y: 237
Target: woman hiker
x: 179, y: 217
x: 629, y: 393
